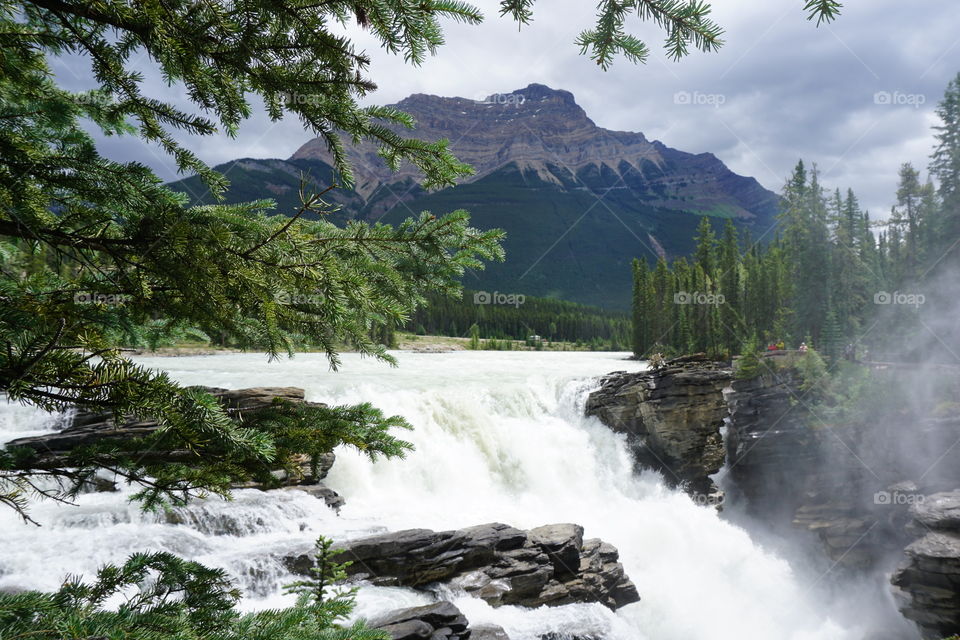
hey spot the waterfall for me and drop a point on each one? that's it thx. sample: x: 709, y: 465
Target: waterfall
x: 500, y: 436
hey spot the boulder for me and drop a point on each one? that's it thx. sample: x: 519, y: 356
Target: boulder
x: 488, y: 632
x: 332, y: 499
x: 549, y: 565
x: 439, y: 621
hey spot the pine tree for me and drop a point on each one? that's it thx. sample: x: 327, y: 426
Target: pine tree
x: 730, y: 321
x: 705, y: 253
x: 93, y: 251
x: 474, y: 343
x: 945, y: 167
x: 906, y: 215
x: 161, y: 596
x: 640, y: 309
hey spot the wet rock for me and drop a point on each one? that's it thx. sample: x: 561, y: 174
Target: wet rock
x: 672, y: 417
x: 332, y: 499
x: 562, y: 544
x: 940, y: 512
x: 98, y: 484
x: 929, y: 577
x: 488, y: 632
x: 549, y: 565
x: 439, y: 621
x: 88, y: 427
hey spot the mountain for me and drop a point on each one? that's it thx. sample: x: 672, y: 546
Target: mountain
x: 578, y: 202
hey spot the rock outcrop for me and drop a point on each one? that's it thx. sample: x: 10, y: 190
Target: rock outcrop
x: 87, y: 427
x: 437, y: 621
x: 804, y: 458
x: 672, y: 417
x: 550, y: 565
x: 847, y: 480
x: 929, y: 578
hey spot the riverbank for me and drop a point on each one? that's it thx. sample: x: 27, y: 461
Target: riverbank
x: 404, y: 342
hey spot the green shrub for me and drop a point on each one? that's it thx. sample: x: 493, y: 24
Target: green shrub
x: 167, y: 597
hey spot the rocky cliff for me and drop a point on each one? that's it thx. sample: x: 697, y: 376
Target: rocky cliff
x: 545, y: 134
x: 791, y: 469
x: 929, y: 577
x: 873, y: 486
x: 672, y: 417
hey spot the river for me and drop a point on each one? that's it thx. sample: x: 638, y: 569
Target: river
x: 500, y: 436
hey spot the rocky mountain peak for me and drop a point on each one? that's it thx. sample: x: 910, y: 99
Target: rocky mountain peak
x: 539, y: 129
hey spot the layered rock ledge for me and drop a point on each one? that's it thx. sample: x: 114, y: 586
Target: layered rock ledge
x: 86, y: 427
x: 550, y: 565
x: 929, y: 578
x: 672, y: 417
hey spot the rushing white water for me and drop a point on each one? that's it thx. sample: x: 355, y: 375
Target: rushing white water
x: 499, y: 437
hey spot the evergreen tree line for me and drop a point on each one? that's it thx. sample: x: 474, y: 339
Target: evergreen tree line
x: 554, y: 320
x: 830, y: 277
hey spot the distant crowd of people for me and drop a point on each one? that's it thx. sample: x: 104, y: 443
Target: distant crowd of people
x: 849, y: 352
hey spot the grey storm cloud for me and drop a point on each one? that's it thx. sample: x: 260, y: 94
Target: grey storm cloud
x: 856, y: 97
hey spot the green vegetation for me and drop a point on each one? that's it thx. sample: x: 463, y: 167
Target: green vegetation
x: 586, y: 267
x: 552, y: 320
x: 92, y: 251
x: 166, y: 597
x: 825, y: 279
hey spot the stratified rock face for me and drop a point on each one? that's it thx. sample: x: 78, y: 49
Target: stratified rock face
x: 544, y: 132
x: 929, y: 578
x: 551, y: 565
x: 794, y: 471
x: 672, y: 416
x: 87, y: 427
x: 852, y: 481
x: 770, y: 441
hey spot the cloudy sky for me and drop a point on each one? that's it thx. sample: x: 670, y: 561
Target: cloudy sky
x: 857, y: 97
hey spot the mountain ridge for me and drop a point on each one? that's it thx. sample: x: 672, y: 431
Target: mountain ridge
x: 578, y: 201
x: 489, y: 134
